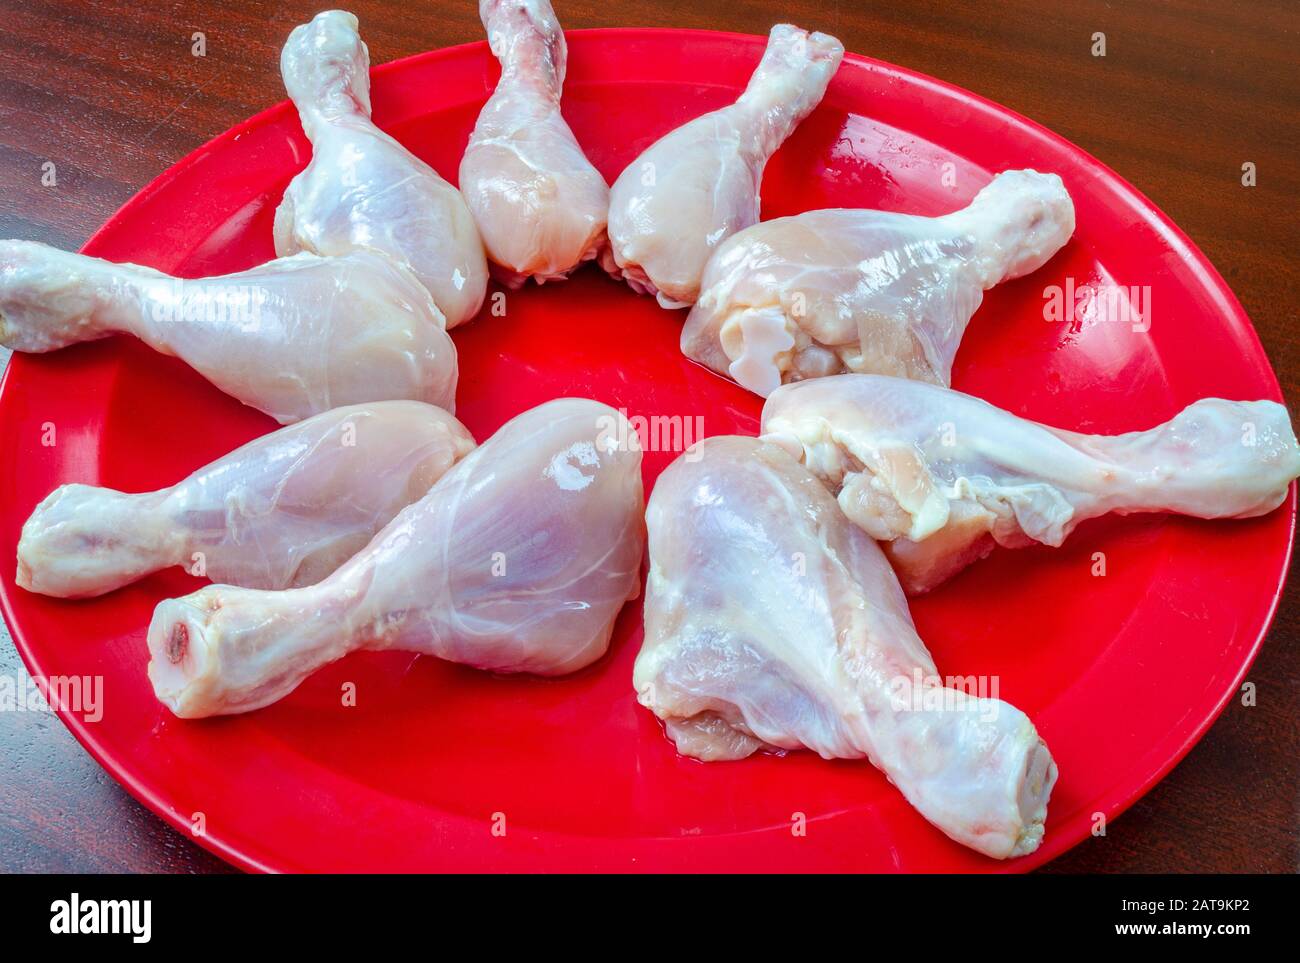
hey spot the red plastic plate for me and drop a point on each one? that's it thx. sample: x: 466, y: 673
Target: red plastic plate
x: 1121, y: 673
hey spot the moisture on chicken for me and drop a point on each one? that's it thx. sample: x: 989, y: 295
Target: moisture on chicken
x: 284, y: 510
x: 942, y: 477
x: 845, y: 290
x: 517, y: 560
x: 772, y: 622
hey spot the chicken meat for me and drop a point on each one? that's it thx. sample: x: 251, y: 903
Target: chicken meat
x: 293, y: 337
x: 284, y: 510
x: 773, y: 623
x: 844, y: 290
x: 539, y: 204
x: 697, y: 185
x: 362, y: 189
x: 942, y: 477
x: 517, y: 560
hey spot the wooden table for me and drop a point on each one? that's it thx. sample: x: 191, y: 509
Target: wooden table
x: 1187, y: 93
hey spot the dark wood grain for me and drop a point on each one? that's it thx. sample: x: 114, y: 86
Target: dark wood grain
x: 1186, y: 94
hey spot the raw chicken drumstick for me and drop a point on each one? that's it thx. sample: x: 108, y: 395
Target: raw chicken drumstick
x: 692, y: 188
x: 362, y: 189
x: 772, y: 622
x: 539, y: 204
x: 284, y: 510
x: 517, y: 560
x: 293, y: 337
x: 839, y: 290
x: 942, y: 477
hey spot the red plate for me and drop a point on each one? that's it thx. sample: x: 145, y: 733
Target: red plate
x: 1121, y: 673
